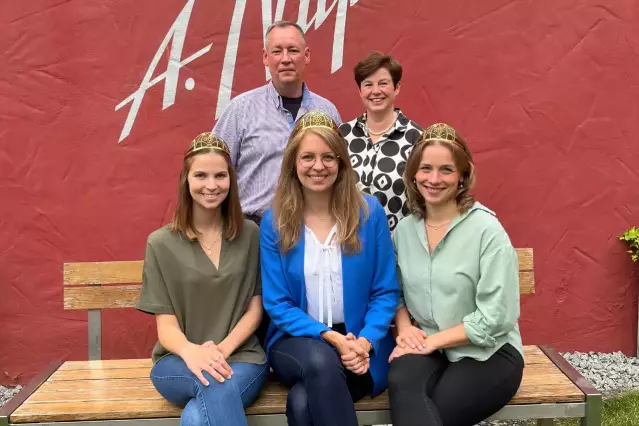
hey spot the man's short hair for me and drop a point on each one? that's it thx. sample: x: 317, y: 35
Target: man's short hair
x: 283, y: 24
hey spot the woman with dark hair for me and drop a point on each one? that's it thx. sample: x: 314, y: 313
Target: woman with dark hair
x: 463, y: 361
x: 380, y: 140
x: 201, y: 281
x: 330, y: 285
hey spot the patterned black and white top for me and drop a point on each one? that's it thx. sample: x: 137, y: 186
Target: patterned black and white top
x: 379, y: 166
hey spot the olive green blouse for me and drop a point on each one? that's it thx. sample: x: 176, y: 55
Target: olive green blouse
x: 179, y: 279
x: 470, y: 278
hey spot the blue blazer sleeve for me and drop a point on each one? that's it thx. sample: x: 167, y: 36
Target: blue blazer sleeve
x: 280, y: 300
x: 384, y: 296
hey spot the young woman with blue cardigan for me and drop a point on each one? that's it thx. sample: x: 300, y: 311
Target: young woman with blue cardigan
x: 328, y: 279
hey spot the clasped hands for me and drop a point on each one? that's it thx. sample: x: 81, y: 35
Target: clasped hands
x: 207, y: 357
x: 354, y: 351
x: 411, y: 340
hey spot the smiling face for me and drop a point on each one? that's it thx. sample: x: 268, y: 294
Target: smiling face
x: 208, y: 180
x: 317, y: 165
x: 437, y: 176
x: 286, y: 56
x: 378, y: 91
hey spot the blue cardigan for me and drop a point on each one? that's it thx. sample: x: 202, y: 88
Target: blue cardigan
x: 371, y: 291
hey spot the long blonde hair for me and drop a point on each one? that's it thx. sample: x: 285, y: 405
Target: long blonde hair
x: 463, y: 162
x: 288, y: 205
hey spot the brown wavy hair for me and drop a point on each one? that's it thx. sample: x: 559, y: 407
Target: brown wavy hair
x: 288, y: 205
x: 231, y: 210
x: 463, y: 162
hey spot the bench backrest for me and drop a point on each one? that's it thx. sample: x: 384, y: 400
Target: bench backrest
x: 99, y: 285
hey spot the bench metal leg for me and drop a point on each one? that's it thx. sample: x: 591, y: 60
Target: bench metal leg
x: 95, y: 334
x: 594, y: 406
x: 545, y: 422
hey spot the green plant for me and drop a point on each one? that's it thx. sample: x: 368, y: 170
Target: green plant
x: 631, y: 236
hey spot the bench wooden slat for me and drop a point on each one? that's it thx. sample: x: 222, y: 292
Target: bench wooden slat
x: 532, y: 355
x: 143, y: 390
x: 99, y: 374
x: 94, y: 410
x: 82, y: 273
x: 107, y: 364
x: 78, y: 275
x: 79, y: 386
x: 105, y: 297
x: 526, y: 282
x: 525, y: 257
x: 130, y: 272
x: 121, y: 389
x: 121, y: 296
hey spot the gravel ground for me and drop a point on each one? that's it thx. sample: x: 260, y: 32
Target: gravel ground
x: 610, y: 373
x: 7, y: 393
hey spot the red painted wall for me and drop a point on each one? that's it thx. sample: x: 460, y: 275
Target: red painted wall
x: 544, y: 91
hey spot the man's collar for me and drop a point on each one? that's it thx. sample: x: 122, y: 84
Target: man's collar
x: 307, y: 102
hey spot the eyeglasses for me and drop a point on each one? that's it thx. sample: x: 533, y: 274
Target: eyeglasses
x: 309, y: 160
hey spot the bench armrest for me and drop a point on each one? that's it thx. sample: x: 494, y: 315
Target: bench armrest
x: 7, y: 409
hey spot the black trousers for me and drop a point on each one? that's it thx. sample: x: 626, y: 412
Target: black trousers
x: 429, y: 390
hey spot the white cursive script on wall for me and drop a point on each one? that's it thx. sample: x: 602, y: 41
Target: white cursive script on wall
x: 177, y: 34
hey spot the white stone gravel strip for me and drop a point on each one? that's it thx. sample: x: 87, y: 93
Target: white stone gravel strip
x: 7, y: 393
x: 610, y: 373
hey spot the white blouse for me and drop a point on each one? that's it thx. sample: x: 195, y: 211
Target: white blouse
x: 323, y: 278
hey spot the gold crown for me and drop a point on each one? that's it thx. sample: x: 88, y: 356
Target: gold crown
x: 439, y: 132
x: 208, y: 141
x: 316, y: 118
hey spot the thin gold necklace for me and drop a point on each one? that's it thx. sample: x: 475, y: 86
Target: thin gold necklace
x: 436, y: 227
x: 209, y: 249
x: 385, y: 130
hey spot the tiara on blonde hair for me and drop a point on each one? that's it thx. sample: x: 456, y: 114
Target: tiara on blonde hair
x: 439, y: 132
x: 208, y: 141
x: 316, y: 118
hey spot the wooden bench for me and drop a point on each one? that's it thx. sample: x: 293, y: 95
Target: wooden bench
x: 96, y: 392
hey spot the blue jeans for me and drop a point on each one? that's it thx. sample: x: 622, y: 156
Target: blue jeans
x: 322, y: 392
x: 212, y: 405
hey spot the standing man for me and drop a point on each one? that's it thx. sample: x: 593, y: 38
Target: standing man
x: 256, y: 125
